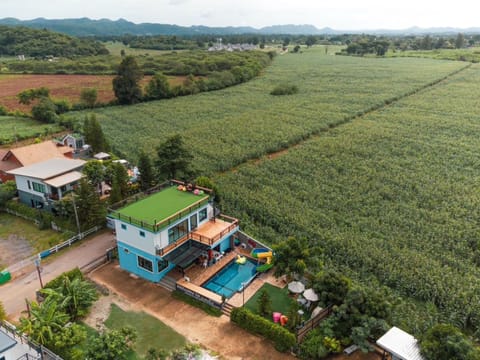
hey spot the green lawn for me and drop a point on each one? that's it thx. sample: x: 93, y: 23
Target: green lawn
x: 280, y: 299
x: 38, y: 239
x: 161, y: 205
x: 151, y: 332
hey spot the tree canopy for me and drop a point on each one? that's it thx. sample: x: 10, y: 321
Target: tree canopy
x: 20, y: 40
x: 446, y: 342
x: 173, y: 158
x: 126, y: 84
x: 94, y: 134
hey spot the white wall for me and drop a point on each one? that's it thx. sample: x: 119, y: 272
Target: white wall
x: 131, y: 235
x: 22, y: 184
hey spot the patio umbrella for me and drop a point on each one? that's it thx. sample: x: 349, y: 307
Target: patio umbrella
x: 310, y: 295
x: 296, y: 287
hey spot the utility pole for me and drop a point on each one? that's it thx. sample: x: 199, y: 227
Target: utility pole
x: 37, y: 265
x: 76, y: 215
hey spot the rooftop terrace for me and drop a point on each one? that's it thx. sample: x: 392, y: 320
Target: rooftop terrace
x: 160, y: 209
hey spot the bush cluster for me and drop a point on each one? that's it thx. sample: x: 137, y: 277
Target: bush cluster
x: 284, y: 89
x: 282, y: 338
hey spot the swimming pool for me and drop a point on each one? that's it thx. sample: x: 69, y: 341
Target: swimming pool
x: 230, y: 279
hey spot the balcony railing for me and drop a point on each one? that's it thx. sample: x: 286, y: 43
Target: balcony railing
x: 155, y: 226
x: 201, y: 238
x: 212, y: 240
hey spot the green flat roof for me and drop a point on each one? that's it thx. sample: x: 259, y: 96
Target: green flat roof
x: 162, y: 205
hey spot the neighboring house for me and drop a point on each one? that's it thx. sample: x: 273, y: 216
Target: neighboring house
x: 400, y: 345
x: 232, y: 47
x: 40, y: 184
x: 168, y: 229
x: 76, y: 142
x: 27, y: 155
x: 14, y: 346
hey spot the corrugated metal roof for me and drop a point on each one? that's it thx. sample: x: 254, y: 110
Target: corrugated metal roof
x: 49, y: 168
x: 64, y: 179
x: 401, y: 344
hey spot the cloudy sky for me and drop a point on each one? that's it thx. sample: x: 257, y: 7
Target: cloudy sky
x: 337, y: 14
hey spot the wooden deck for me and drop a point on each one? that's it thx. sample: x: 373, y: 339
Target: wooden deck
x: 198, y: 274
x: 213, y: 230
x: 201, y: 291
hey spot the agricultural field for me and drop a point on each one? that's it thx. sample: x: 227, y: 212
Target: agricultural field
x: 228, y: 127
x: 375, y: 159
x: 62, y: 87
x: 115, y: 48
x: 470, y: 54
x: 392, y: 198
x: 18, y: 128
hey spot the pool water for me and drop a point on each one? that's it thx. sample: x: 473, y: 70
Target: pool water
x: 229, y: 280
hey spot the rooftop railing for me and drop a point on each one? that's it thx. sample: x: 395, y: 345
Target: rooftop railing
x: 155, y: 226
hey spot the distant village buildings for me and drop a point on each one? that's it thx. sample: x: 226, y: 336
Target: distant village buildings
x: 232, y: 47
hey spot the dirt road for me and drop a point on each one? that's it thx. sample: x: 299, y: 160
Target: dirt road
x: 217, y: 334
x: 14, y: 293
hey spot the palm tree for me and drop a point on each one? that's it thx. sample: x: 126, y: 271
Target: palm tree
x: 74, y: 296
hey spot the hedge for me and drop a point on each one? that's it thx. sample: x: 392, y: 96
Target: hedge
x: 282, y: 338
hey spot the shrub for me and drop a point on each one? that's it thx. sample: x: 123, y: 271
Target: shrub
x: 313, y: 347
x: 57, y: 282
x: 284, y: 89
x: 3, y: 314
x: 45, y: 111
x: 282, y: 338
x: 3, y: 111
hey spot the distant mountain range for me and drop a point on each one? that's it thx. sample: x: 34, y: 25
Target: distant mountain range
x: 106, y: 27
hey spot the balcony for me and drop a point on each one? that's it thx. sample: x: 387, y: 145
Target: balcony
x: 214, y: 230
x: 207, y: 234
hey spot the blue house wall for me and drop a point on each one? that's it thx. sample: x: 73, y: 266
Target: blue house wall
x: 128, y: 258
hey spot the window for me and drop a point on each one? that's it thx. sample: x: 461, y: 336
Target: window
x: 145, y: 263
x: 193, y: 222
x: 38, y: 187
x: 162, y: 265
x: 124, y: 227
x: 63, y: 188
x: 29, y: 186
x: 178, y: 231
x: 142, y: 233
x: 202, y: 214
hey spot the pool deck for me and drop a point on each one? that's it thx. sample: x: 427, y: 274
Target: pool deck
x: 199, y: 275
x: 262, y: 278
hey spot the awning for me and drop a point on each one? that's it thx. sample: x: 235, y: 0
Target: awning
x: 401, y: 344
x: 64, y: 179
x: 6, y: 342
x: 186, y: 253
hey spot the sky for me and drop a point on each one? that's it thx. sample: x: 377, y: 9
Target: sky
x: 337, y: 14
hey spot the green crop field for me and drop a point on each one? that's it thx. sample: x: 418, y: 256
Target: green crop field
x: 225, y: 128
x: 383, y: 176
x: 391, y: 197
x: 15, y: 128
x: 469, y: 54
x: 116, y: 47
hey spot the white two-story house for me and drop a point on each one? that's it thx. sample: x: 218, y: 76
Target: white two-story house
x: 40, y: 184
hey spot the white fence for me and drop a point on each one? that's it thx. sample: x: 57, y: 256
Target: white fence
x: 28, y: 264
